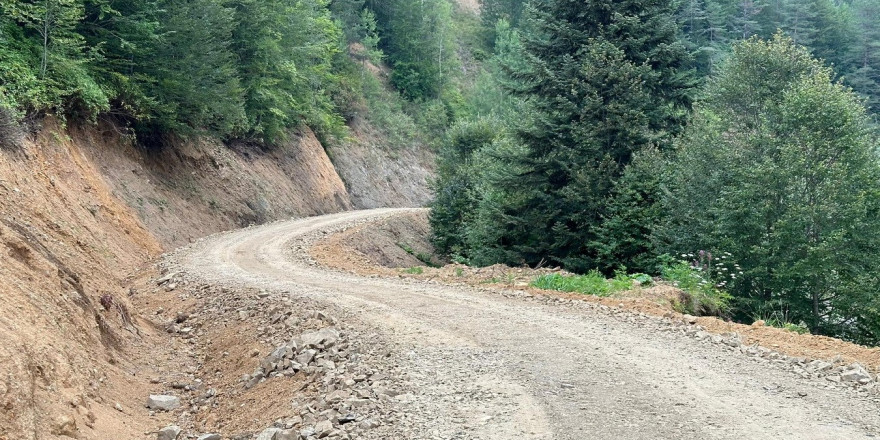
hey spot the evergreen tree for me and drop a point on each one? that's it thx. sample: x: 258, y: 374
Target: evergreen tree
x: 602, y: 81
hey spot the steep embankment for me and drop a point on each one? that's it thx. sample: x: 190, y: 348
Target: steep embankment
x: 67, y: 245
x: 83, y: 211
x: 192, y: 189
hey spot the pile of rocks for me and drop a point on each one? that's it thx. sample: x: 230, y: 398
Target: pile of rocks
x: 310, y: 352
x: 351, y: 399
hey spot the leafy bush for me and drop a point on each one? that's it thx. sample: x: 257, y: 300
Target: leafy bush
x: 700, y: 295
x: 592, y: 283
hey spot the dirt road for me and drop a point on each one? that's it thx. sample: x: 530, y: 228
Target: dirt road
x: 482, y: 365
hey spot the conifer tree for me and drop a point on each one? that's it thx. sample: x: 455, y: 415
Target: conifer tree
x: 603, y: 80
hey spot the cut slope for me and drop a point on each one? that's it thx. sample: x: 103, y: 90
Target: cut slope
x: 65, y: 242
x: 192, y: 189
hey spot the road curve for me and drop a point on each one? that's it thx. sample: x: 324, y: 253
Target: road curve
x: 488, y: 366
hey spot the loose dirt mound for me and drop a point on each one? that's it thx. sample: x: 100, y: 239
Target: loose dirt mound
x: 346, y: 251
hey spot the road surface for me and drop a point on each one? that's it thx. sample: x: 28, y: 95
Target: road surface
x: 488, y: 366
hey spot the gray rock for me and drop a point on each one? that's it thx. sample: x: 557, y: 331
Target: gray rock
x: 307, y: 432
x: 326, y: 336
x: 855, y: 373
x: 323, y: 429
x: 287, y: 434
x: 209, y: 437
x: 819, y: 366
x: 269, y: 434
x: 369, y: 424
x: 305, y: 357
x: 169, y: 432
x: 163, y: 402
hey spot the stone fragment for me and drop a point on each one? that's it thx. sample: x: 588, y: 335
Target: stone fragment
x: 326, y: 336
x: 855, y: 373
x: 323, y: 429
x: 210, y: 436
x: 305, y: 357
x: 269, y: 434
x: 163, y: 402
x: 170, y: 432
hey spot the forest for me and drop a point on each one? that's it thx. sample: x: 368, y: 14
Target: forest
x: 733, y: 141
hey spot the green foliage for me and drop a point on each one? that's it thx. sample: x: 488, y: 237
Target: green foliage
x: 601, y: 81
x: 592, y: 283
x: 416, y: 270
x: 418, y: 40
x: 700, y: 294
x: 285, y: 51
x: 780, y: 168
x: 779, y: 320
x: 633, y: 211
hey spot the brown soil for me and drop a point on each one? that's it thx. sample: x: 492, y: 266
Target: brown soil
x: 65, y: 242
x: 345, y: 251
x: 192, y: 189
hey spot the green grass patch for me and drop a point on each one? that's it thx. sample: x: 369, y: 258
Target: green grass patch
x: 417, y: 270
x: 592, y: 283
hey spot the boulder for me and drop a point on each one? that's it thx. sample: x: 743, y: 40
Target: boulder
x: 163, y: 402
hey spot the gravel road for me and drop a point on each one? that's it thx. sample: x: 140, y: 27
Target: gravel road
x: 485, y: 365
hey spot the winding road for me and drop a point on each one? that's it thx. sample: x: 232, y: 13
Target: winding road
x: 483, y: 365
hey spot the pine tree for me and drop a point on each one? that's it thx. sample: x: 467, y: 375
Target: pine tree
x: 602, y: 81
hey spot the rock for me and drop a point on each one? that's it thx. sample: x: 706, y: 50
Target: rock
x: 305, y: 357
x: 269, y: 434
x: 306, y: 433
x: 855, y: 373
x: 337, y: 396
x: 169, y: 432
x: 65, y: 426
x: 211, y: 436
x: 819, y: 366
x: 327, y: 336
x: 287, y: 434
x: 323, y: 429
x: 166, y: 278
x: 689, y: 319
x: 732, y: 340
x: 369, y: 424
x: 163, y: 402
x: 118, y: 407
x: 347, y: 419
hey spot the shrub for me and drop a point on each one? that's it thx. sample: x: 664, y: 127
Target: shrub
x: 699, y: 293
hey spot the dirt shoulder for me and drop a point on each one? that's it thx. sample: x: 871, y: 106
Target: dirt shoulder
x: 367, y: 250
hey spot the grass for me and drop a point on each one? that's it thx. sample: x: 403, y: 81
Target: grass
x: 417, y: 270
x: 423, y: 257
x: 592, y: 283
x: 778, y: 320
x: 699, y: 295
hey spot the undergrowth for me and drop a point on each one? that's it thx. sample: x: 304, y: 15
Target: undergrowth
x: 592, y: 283
x: 699, y: 294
